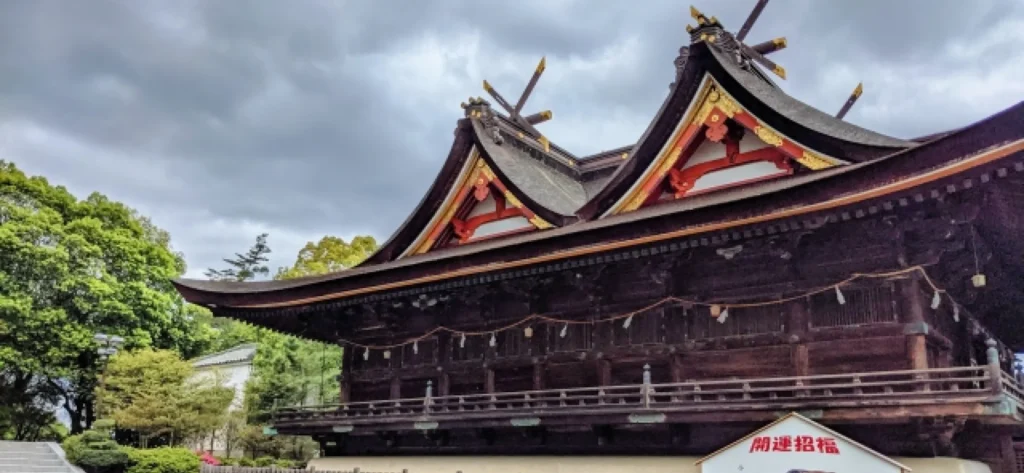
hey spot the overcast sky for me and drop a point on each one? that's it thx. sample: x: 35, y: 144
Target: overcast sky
x: 223, y: 119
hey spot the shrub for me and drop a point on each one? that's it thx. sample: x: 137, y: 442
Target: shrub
x: 264, y: 461
x: 95, y: 452
x: 73, y: 447
x: 246, y: 462
x: 163, y: 460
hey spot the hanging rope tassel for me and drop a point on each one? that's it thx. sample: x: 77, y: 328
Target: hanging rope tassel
x: 416, y: 347
x: 840, y: 297
x: 564, y: 332
x: 629, y: 320
x: 366, y: 354
x: 724, y: 315
x: 462, y: 341
x: 494, y: 341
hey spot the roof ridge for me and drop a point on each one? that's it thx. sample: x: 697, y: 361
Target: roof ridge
x: 253, y: 345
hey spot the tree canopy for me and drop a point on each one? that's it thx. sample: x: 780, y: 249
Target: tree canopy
x: 328, y: 255
x: 244, y: 267
x: 154, y: 392
x: 86, y: 266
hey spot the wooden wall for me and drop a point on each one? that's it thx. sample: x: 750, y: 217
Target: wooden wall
x: 809, y: 336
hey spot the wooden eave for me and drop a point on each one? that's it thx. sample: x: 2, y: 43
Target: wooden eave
x: 861, y: 145
x: 958, y: 161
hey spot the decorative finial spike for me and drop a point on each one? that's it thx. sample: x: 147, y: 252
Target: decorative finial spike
x: 487, y: 86
x: 780, y: 71
x: 695, y: 13
x: 542, y: 65
x: 780, y: 42
x: 851, y: 100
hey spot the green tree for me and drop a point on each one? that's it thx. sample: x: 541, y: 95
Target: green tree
x: 328, y: 255
x: 85, y: 266
x: 245, y: 266
x: 154, y: 393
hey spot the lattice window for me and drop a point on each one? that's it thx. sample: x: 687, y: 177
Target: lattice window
x: 740, y: 321
x: 513, y: 343
x: 864, y: 305
x: 577, y: 337
x: 423, y: 353
x: 376, y: 360
x: 646, y: 328
x: 472, y: 350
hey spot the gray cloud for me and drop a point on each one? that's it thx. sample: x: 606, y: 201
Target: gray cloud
x: 305, y: 118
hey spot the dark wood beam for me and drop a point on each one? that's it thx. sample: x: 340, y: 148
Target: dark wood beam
x: 770, y: 46
x: 851, y: 100
x: 751, y: 19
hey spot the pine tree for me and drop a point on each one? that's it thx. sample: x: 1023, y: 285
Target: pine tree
x: 245, y: 267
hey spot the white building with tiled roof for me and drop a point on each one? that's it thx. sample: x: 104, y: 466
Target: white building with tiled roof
x: 232, y: 368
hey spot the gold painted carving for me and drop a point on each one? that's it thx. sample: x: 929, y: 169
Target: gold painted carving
x: 486, y: 171
x: 513, y: 200
x: 815, y: 162
x: 718, y: 100
x: 540, y: 223
x: 768, y: 136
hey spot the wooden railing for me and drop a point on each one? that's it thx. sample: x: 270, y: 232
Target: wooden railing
x: 857, y: 389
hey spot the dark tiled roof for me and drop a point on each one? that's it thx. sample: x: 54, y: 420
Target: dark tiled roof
x: 801, y: 113
x: 545, y: 184
x: 704, y: 209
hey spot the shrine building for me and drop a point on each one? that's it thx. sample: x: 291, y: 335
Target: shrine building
x: 749, y: 256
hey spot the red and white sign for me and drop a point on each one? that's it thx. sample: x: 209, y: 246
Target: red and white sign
x: 795, y: 444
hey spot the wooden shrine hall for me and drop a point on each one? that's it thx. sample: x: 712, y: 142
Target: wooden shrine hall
x: 747, y: 257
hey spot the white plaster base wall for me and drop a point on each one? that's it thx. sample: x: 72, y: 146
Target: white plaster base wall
x: 581, y: 464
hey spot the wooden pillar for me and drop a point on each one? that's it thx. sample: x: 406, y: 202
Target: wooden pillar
x: 396, y: 388
x: 604, y: 372
x: 675, y: 364
x: 539, y: 371
x: 1007, y: 454
x: 912, y: 304
x: 345, y: 383
x: 489, y: 380
x: 797, y: 320
x: 443, y: 385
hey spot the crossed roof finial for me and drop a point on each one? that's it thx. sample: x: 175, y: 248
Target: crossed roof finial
x: 527, y: 122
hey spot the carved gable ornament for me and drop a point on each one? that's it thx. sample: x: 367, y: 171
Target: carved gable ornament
x: 795, y: 444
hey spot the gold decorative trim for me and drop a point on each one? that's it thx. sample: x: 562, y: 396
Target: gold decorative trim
x: 540, y: 223
x: 768, y: 136
x: 511, y: 199
x: 716, y: 99
x: 815, y: 162
x: 486, y: 171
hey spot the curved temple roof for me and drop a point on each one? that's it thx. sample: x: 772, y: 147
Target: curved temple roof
x: 577, y: 196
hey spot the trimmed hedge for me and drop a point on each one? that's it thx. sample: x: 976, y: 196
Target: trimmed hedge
x: 163, y: 460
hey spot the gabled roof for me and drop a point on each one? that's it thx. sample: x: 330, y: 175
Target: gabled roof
x: 971, y: 150
x: 238, y: 354
x: 575, y: 195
